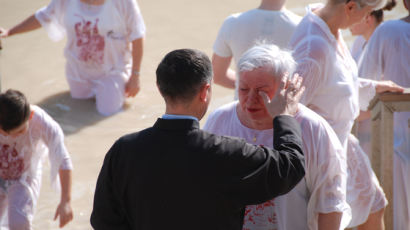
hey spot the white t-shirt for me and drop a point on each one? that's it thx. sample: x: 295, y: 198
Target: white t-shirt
x: 321, y: 191
x: 242, y: 31
x: 22, y: 156
x: 98, y: 37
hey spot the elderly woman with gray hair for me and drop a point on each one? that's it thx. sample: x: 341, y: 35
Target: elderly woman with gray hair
x: 334, y: 91
x: 319, y: 200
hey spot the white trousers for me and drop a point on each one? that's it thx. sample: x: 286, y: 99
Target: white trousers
x: 109, y: 92
x: 17, y: 205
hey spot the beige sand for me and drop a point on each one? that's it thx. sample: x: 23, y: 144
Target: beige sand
x: 35, y: 65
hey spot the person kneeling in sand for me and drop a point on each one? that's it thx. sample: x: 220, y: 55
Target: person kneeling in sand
x: 27, y: 134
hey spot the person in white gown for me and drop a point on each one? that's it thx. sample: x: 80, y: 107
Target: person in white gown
x: 27, y: 135
x: 319, y: 200
x: 270, y: 22
x: 334, y: 91
x: 387, y: 57
x: 104, y: 47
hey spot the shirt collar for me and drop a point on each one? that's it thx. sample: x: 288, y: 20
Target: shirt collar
x: 173, y: 117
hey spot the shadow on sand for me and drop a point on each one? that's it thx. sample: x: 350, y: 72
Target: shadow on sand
x: 72, y: 114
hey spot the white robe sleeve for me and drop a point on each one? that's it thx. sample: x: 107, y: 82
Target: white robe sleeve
x: 58, y: 155
x: 221, y: 46
x: 367, y: 91
x: 51, y: 19
x: 326, y: 176
x: 134, y: 21
x: 310, y: 56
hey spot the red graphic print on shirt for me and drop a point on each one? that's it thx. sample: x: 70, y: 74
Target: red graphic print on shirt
x: 11, y: 165
x: 90, y: 42
x: 261, y: 216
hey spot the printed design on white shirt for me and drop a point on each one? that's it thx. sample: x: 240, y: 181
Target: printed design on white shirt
x: 261, y: 216
x: 11, y: 164
x: 90, y: 42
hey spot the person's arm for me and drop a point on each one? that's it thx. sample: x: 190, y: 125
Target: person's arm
x: 64, y: 210
x: 29, y: 24
x: 133, y: 85
x: 329, y: 221
x: 223, y: 75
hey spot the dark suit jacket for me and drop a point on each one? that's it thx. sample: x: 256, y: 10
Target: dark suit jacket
x: 176, y: 176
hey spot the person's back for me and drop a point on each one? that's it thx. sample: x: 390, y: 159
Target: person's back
x: 181, y: 179
x: 243, y: 30
x: 271, y: 22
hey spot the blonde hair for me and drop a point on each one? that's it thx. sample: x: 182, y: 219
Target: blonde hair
x: 375, y: 4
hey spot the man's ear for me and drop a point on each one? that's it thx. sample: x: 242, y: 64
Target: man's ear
x: 204, y: 92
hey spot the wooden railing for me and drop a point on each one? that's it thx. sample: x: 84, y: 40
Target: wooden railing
x: 382, y: 109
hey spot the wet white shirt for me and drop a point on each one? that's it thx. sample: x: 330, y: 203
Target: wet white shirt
x: 387, y: 57
x: 98, y: 36
x: 330, y: 75
x: 334, y: 91
x: 22, y: 156
x: 321, y: 191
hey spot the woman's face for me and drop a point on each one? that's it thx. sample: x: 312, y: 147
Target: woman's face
x: 363, y: 27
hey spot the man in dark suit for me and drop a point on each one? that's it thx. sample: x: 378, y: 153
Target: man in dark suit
x: 176, y: 176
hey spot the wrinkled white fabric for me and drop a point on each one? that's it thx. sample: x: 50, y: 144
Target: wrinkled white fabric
x: 334, y: 91
x: 21, y: 164
x: 363, y: 128
x: 98, y: 50
x: 241, y: 31
x: 323, y: 190
x: 387, y: 57
x: 358, y: 47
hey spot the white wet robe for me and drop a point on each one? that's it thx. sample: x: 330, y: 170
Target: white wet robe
x: 334, y: 91
x: 98, y: 49
x: 21, y: 160
x: 387, y: 57
x: 323, y: 189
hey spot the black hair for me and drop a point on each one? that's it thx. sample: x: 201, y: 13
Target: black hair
x: 14, y: 110
x: 181, y: 73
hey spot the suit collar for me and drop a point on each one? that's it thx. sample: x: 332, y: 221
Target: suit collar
x: 178, y: 124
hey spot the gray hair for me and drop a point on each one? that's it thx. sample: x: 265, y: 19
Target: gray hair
x: 375, y: 4
x: 267, y: 55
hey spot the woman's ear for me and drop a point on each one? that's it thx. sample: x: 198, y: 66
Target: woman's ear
x: 350, y: 7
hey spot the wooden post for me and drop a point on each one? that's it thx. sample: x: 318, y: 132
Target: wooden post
x: 382, y: 108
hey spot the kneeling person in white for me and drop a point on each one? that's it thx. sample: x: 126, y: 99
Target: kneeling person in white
x: 318, y: 201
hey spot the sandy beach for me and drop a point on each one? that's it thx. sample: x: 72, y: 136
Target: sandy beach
x: 33, y: 64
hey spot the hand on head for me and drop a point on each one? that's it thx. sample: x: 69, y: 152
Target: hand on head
x: 286, y: 99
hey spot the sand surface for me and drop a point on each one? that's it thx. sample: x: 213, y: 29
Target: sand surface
x: 35, y: 65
